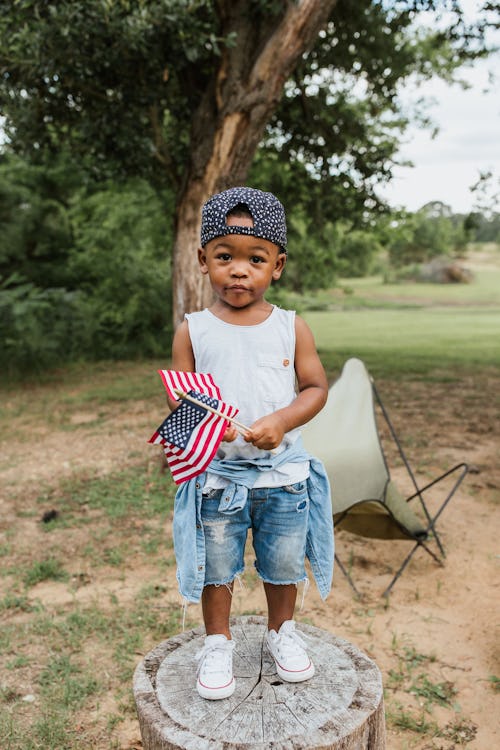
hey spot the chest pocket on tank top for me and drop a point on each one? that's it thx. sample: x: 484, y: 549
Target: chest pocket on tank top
x: 276, y: 381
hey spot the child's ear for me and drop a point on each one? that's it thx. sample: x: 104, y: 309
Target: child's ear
x: 280, y: 264
x: 202, y: 260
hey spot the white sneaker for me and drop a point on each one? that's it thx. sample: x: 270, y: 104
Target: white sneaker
x: 215, y: 672
x: 287, y: 649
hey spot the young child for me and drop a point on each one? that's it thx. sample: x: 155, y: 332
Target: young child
x: 265, y: 362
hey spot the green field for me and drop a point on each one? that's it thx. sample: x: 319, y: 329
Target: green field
x: 409, y: 341
x: 410, y: 328
x: 483, y: 289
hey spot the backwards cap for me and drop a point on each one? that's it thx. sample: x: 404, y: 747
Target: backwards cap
x: 267, y: 212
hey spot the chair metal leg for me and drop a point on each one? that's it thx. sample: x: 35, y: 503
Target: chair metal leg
x: 344, y: 571
x: 421, y: 490
x: 407, y: 560
x: 431, y: 553
x: 401, y: 569
x: 458, y: 482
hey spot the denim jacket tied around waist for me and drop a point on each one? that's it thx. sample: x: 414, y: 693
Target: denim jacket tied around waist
x: 189, y: 537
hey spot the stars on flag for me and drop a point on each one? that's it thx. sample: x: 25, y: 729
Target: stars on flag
x: 177, y: 428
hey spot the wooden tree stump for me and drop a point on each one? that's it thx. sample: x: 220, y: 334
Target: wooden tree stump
x: 341, y: 707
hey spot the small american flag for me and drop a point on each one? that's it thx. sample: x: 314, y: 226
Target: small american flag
x: 190, y: 435
x: 202, y: 382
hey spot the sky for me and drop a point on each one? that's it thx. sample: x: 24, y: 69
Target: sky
x: 468, y: 141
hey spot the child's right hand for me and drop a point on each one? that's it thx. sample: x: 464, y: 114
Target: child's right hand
x: 267, y: 432
x: 230, y: 434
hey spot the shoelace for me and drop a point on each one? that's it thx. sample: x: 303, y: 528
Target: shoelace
x: 212, y: 658
x: 289, y: 639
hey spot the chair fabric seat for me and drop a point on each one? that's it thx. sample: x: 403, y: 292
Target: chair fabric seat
x: 390, y: 518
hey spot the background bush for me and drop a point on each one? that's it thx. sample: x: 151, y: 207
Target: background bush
x: 84, y: 268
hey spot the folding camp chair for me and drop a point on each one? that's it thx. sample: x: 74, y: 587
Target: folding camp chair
x: 366, y: 501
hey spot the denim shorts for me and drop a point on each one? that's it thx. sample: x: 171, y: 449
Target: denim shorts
x: 278, y: 517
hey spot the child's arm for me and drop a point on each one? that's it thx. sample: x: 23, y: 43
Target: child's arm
x: 267, y: 432
x: 182, y: 355
x: 183, y: 361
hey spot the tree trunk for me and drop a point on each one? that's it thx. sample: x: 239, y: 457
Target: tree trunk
x: 340, y: 708
x: 231, y: 119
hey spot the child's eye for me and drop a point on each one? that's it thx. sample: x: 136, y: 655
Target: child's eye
x: 223, y: 256
x: 256, y: 259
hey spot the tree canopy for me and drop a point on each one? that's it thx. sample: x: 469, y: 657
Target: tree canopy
x: 125, y: 83
x: 182, y: 94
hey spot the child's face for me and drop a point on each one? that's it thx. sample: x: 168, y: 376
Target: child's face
x: 241, y: 267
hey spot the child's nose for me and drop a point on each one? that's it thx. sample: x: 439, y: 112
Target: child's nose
x: 239, y: 269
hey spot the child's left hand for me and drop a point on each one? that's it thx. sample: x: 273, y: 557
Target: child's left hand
x: 267, y: 432
x: 230, y: 434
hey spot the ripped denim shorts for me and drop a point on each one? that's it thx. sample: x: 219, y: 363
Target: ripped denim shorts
x: 278, y: 517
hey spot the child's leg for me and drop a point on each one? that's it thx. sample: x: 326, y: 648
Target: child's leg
x: 225, y: 537
x: 215, y: 679
x: 280, y: 603
x: 285, y: 644
x: 279, y: 517
x: 279, y: 539
x: 216, y: 606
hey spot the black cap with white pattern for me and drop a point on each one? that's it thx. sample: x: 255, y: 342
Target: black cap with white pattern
x: 267, y: 212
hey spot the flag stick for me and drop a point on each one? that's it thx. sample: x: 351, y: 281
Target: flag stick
x: 182, y: 394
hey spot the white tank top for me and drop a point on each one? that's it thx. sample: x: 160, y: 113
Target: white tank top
x: 254, y: 369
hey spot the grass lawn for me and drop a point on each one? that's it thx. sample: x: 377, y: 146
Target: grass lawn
x: 409, y: 328
x: 484, y: 288
x: 409, y: 341
x: 88, y: 589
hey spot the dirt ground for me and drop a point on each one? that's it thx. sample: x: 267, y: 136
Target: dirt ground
x: 441, y: 621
